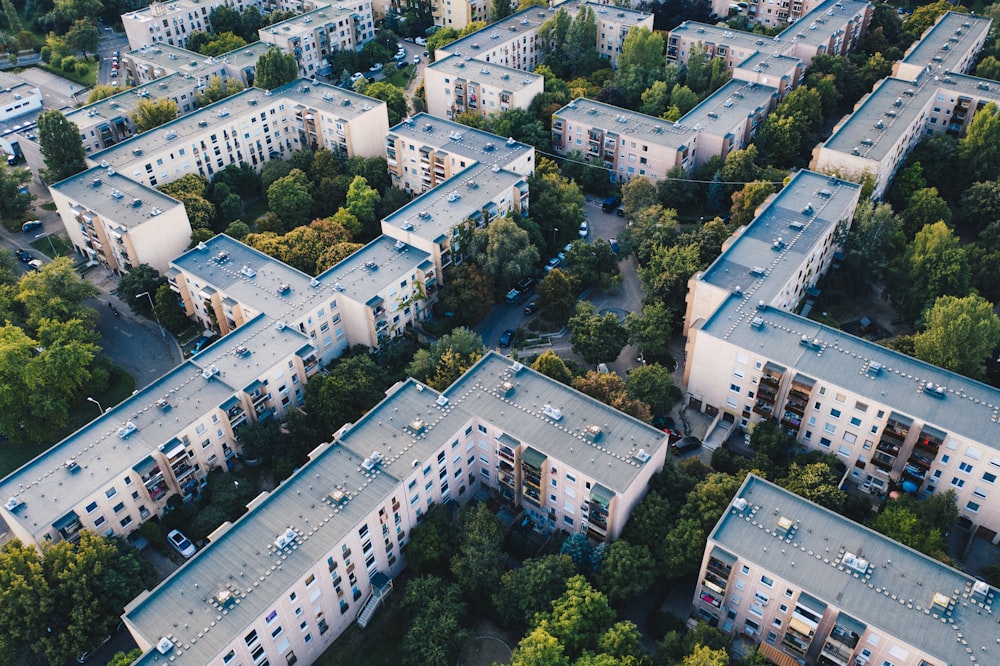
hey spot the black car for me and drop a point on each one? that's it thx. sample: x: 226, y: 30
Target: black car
x: 23, y: 255
x: 506, y: 338
x: 531, y: 308
x: 526, y: 284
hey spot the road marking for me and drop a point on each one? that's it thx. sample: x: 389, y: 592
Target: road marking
x: 127, y: 335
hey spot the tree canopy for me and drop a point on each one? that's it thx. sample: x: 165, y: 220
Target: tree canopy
x: 275, y: 68
x: 61, y: 145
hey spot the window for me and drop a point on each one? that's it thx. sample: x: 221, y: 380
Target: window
x: 972, y: 506
x: 835, y: 413
x: 989, y: 478
x: 855, y: 421
x: 310, y: 580
x: 957, y: 482
x: 110, y: 492
x: 92, y: 507
x: 767, y: 581
x: 830, y: 428
x: 964, y: 467
x: 735, y: 388
x: 744, y: 570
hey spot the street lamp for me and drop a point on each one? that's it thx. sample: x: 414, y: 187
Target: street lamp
x: 89, y: 399
x: 153, y: 308
x: 555, y: 230
x: 53, y: 247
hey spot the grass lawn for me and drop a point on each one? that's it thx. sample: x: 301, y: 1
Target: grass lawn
x: 402, y: 77
x: 120, y: 386
x: 48, y: 206
x: 61, y: 244
x: 88, y: 79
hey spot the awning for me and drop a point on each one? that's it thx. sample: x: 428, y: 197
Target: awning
x: 66, y: 521
x: 812, y: 604
x: 143, y: 464
x: 602, y: 494
x: 849, y: 624
x: 533, y: 457
x: 774, y: 367
x: 172, y: 448
x: 800, y: 626
x: 253, y: 386
x: 509, y: 441
x: 374, y: 300
x: 802, y: 380
x: 776, y: 656
x: 930, y: 431
x: 723, y: 556
x: 232, y: 402
x: 905, y: 421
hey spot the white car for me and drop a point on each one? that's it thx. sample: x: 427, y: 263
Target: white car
x: 584, y: 229
x: 377, y: 67
x: 420, y: 41
x: 416, y: 59
x: 181, y: 543
x: 356, y: 76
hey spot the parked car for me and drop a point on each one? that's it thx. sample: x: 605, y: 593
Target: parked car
x: 620, y: 211
x: 181, y: 543
x: 114, y: 73
x: 377, y: 67
x: 356, y: 76
x: 420, y: 41
x: 31, y: 224
x: 23, y: 255
x: 686, y: 444
x: 531, y: 308
x: 400, y: 55
x: 584, y: 229
x: 506, y: 338
x: 613, y: 242
x: 416, y: 59
x: 664, y: 422
x: 525, y: 285
x: 554, y: 262
x: 610, y: 204
x: 35, y: 264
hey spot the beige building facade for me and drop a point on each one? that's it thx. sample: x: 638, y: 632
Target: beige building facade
x: 453, y: 86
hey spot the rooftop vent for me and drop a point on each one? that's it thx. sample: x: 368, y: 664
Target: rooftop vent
x: 757, y: 322
x: 758, y: 271
x: 125, y: 431
x: 136, y: 203
x: 417, y: 426
x: 165, y: 645
x: 285, y: 539
x: 13, y: 504
x: 874, y: 368
x: 739, y: 504
x: 338, y: 496
x: 222, y: 257
x: 552, y: 412
x: 778, y: 244
x: 593, y: 432
x: 210, y: 372
x: 808, y: 210
x: 856, y: 564
x: 280, y: 325
x: 246, y: 271
x: 797, y: 226
x: 406, y: 226
x: 935, y: 391
x: 222, y: 113
x: 116, y: 194
x: 506, y: 388
x: 641, y: 456
x: 155, y: 212
x: 71, y: 465
x: 284, y: 288
x: 826, y: 194
x: 371, y: 265
x: 96, y: 182
x: 442, y: 401
x: 163, y: 404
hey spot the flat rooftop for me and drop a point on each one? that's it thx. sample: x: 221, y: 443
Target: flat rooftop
x: 800, y: 215
x: 377, y: 266
x: 490, y: 74
x: 427, y: 130
x: 822, y: 24
x: 342, y: 103
x: 616, y: 120
x: 50, y: 491
x: 244, y: 560
x: 124, y: 103
x: 891, y: 589
x: 947, y: 42
x: 164, y: 9
x: 253, y: 278
x: 311, y: 20
x: 734, y: 101
x: 175, y: 59
x: 434, y: 213
x: 114, y: 197
x: 519, y: 23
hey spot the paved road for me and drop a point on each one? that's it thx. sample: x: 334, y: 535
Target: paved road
x: 110, y: 42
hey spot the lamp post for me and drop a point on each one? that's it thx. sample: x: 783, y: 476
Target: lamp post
x: 89, y: 399
x: 51, y: 246
x: 153, y: 308
x: 555, y: 230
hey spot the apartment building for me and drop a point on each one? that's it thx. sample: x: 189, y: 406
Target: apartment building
x: 887, y: 416
x: 119, y: 470
x: 464, y: 178
x: 119, y: 223
x: 458, y: 14
x: 17, y: 98
x: 807, y: 585
x: 253, y: 126
x: 768, y: 13
x: 832, y: 27
x: 364, y: 300
x: 927, y: 93
x: 511, y: 41
x: 283, y: 582
x: 155, y: 61
x: 314, y: 35
x: 628, y: 143
x: 455, y: 85
x: 172, y: 22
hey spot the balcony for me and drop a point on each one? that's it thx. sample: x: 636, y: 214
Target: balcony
x: 929, y: 441
x: 883, y: 461
x: 764, y: 407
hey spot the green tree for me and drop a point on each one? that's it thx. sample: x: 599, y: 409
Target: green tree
x: 875, y: 236
x: 435, y: 631
x: 540, y: 648
x: 933, y: 265
x: 640, y: 65
x: 479, y: 560
x: 468, y: 294
x: 220, y: 43
x: 290, y: 199
x: 580, y: 40
x: 530, y: 589
x: 817, y: 482
x: 393, y: 97
x: 14, y: 204
x: 925, y: 16
x: 83, y: 36
x: 978, y: 150
x: 13, y: 18
x: 746, y: 201
x: 142, y: 278
x: 217, y: 89
x: 361, y: 201
x: 124, y: 658
x: 168, y: 311
x: 578, y: 618
x: 504, y: 252
x: 959, y: 334
x: 666, y: 275
x: 432, y: 543
x: 460, y: 349
x: 655, y: 99
x: 637, y: 194
x: 439, y: 40
x: 979, y: 206
x: 596, y: 337
x: 653, y: 385
x: 551, y: 365
x: 551, y: 42
x: 924, y: 207
x: 901, y: 520
x: 500, y: 9
x: 988, y: 68
x: 275, y: 69
x: 772, y: 448
x: 150, y: 114
x: 55, y: 615
x: 609, y: 388
x: 627, y: 571
x: 100, y: 91
x: 705, y: 656
x: 555, y: 296
x: 780, y: 138
x: 591, y: 264
x: 353, y: 386
x: 61, y: 145
x: 557, y: 204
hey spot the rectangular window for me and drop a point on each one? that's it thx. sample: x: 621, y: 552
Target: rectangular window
x: 835, y: 413
x: 957, y: 482
x: 972, y: 506
x: 767, y: 581
x: 830, y: 428
x: 855, y: 421
x: 964, y: 467
x: 989, y: 478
